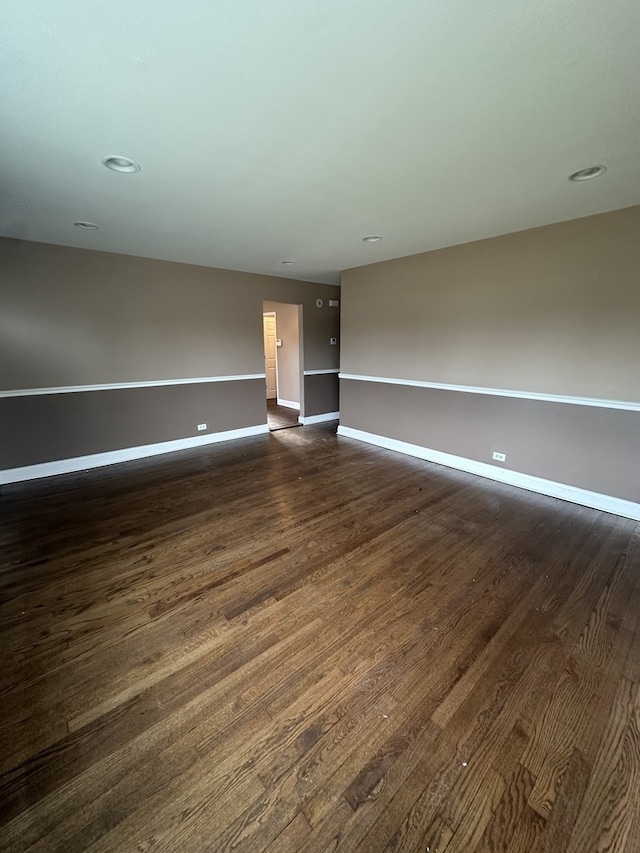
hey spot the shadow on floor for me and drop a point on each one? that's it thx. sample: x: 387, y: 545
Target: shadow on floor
x: 281, y: 417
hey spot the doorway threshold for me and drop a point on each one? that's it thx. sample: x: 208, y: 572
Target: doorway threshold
x: 281, y: 417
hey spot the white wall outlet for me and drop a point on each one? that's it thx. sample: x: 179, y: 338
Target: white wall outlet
x: 201, y: 427
x: 333, y: 341
x: 499, y: 457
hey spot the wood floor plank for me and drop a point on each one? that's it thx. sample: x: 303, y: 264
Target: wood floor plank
x: 609, y: 809
x: 562, y: 820
x: 467, y: 731
x: 504, y: 821
x: 298, y: 642
x: 542, y: 595
x: 447, y: 654
x: 292, y: 836
x: 552, y: 742
x: 478, y: 814
x: 406, y: 820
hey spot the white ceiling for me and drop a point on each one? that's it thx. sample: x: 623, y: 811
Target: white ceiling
x: 289, y: 129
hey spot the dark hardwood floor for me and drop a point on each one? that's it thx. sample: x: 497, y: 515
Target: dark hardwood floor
x: 300, y: 643
x: 281, y: 417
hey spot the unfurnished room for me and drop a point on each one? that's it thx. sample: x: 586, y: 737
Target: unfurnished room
x: 320, y: 426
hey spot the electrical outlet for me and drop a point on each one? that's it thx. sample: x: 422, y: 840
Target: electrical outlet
x: 499, y: 457
x: 201, y: 427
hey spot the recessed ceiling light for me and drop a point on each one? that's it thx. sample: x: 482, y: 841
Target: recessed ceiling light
x: 588, y: 173
x: 372, y: 238
x: 86, y: 226
x: 287, y: 263
x: 121, y: 164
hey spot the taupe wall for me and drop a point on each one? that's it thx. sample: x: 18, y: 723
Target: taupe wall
x: 60, y: 426
x: 74, y: 317
x: 553, y: 310
x: 321, y: 394
x: 555, y: 441
x: 71, y: 317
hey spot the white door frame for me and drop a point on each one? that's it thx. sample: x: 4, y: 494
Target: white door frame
x: 300, y: 345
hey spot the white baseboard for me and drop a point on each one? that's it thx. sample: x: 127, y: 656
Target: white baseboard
x: 320, y: 419
x: 573, y: 494
x: 96, y: 460
x: 288, y: 404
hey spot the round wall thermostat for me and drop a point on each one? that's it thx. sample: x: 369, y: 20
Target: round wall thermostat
x: 319, y: 303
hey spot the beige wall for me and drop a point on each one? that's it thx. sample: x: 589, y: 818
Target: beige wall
x: 321, y: 394
x: 50, y: 427
x: 70, y: 317
x: 554, y: 309
x: 75, y: 317
x: 586, y: 447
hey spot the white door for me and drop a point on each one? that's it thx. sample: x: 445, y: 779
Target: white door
x: 269, y: 323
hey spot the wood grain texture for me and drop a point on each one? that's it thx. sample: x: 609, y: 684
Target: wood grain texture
x: 298, y: 642
x: 280, y: 417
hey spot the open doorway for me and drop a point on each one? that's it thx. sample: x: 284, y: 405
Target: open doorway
x: 283, y: 363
